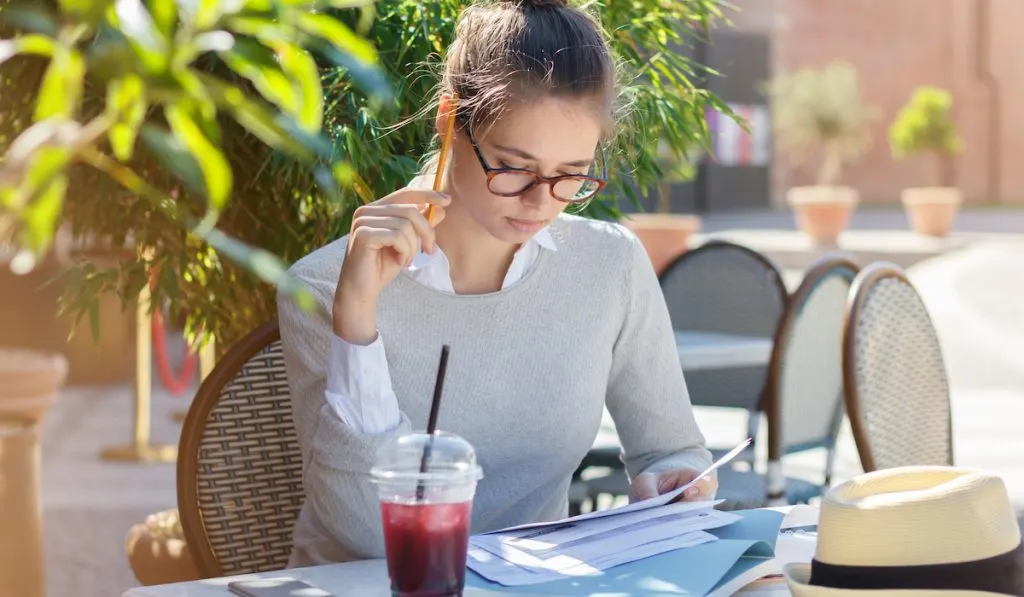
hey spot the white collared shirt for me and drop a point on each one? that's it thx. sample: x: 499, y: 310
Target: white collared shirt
x: 358, y: 381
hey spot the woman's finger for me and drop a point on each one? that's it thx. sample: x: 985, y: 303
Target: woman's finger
x: 412, y: 213
x: 416, y: 197
x: 392, y: 233
x: 702, y: 490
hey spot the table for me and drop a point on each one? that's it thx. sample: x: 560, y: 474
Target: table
x: 369, y: 578
x: 713, y: 350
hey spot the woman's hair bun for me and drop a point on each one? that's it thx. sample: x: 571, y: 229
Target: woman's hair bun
x: 538, y: 3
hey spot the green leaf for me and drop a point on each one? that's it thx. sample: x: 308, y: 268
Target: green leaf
x: 215, y: 168
x: 210, y: 11
x: 346, y: 49
x: 41, y: 216
x: 277, y: 131
x: 165, y: 16
x: 201, y: 103
x: 38, y: 45
x: 76, y: 6
x: 135, y: 22
x: 94, y: 320
x: 267, y: 266
x: 256, y: 63
x: 126, y: 103
x: 303, y: 72
x: 338, y: 35
x: 29, y: 17
x: 174, y: 156
x: 61, y: 90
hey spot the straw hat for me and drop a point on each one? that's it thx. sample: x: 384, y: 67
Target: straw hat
x: 914, y: 531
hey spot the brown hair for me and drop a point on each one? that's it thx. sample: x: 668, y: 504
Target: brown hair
x: 507, y: 50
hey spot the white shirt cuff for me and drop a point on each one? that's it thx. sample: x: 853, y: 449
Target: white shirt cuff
x: 359, y: 386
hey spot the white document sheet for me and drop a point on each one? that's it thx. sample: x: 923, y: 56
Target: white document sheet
x: 590, y: 543
x: 514, y: 567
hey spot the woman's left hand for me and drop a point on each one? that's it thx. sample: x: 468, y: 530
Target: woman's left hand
x: 648, y: 485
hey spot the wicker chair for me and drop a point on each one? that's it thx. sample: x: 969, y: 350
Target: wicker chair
x: 897, y: 391
x: 239, y: 466
x: 239, y: 475
x: 806, y: 377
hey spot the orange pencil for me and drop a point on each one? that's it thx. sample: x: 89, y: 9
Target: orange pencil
x: 442, y: 159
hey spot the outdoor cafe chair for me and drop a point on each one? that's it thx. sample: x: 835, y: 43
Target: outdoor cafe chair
x: 727, y: 288
x: 239, y: 465
x: 805, y: 407
x: 897, y: 389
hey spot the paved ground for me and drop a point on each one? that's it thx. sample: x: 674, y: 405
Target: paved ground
x: 985, y: 220
x: 973, y: 295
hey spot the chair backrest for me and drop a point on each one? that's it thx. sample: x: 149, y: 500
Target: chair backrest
x: 806, y: 370
x: 728, y: 288
x: 897, y: 391
x: 239, y: 465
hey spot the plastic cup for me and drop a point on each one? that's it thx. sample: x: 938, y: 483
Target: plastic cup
x: 426, y: 515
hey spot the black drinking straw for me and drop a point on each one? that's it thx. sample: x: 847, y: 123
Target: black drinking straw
x: 435, y: 405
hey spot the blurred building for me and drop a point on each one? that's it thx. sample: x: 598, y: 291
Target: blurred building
x: 971, y: 47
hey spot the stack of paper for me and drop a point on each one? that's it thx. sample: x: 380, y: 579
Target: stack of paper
x: 529, y: 556
x: 596, y: 541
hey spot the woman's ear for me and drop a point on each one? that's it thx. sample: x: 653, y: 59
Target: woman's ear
x: 445, y: 110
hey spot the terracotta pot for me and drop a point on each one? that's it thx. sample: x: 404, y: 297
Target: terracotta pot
x: 823, y: 212
x: 157, y: 552
x: 29, y: 381
x: 665, y: 236
x: 932, y: 210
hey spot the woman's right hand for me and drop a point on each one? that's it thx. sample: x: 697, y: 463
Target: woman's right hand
x: 386, y: 236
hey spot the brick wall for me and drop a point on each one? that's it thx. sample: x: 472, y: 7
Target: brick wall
x: 897, y: 45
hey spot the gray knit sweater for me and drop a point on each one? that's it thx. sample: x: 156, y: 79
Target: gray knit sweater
x: 531, y: 369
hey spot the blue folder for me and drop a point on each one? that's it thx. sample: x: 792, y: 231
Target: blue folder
x: 695, y: 571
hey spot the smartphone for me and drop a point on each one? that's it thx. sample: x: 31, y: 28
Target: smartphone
x: 275, y: 587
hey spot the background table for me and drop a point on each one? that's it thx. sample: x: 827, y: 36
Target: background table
x: 713, y: 350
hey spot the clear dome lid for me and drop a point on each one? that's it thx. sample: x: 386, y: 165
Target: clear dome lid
x: 450, y: 460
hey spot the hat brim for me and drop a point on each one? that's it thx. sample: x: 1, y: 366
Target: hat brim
x: 798, y: 575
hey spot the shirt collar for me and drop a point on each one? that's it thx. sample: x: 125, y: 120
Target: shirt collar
x: 543, y: 238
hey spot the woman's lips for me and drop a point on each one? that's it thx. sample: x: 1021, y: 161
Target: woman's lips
x: 526, y: 226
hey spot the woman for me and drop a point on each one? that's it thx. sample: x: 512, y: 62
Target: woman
x: 550, y: 317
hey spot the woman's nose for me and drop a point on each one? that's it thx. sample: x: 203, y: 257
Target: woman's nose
x: 539, y: 196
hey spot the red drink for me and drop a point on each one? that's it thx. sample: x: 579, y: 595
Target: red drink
x: 426, y: 547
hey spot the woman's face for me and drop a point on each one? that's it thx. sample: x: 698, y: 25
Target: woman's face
x: 550, y: 137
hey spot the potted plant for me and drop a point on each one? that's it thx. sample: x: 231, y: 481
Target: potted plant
x: 923, y: 127
x: 818, y: 116
x: 666, y: 235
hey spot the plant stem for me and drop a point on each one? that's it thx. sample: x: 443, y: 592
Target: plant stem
x: 828, y: 174
x: 664, y: 197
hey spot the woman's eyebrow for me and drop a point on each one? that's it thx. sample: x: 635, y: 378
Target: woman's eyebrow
x: 528, y: 156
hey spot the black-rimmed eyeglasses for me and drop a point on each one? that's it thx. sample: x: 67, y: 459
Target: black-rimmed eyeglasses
x: 512, y: 182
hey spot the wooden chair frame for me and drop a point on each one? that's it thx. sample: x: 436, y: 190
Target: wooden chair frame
x: 772, y: 406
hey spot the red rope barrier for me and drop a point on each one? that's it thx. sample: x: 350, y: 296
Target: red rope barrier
x: 178, y: 383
